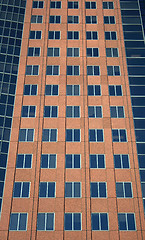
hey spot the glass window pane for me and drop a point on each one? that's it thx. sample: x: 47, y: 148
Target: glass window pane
x: 77, y: 221
x: 68, y: 221
x: 41, y: 221
x: 22, y: 221
x: 50, y: 221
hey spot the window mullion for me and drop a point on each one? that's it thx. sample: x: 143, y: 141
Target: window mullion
x: 18, y: 223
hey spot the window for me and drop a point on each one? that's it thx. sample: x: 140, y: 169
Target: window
x: 112, y: 52
x: 90, y: 35
x: 97, y: 161
x: 72, y: 161
x: 32, y: 70
x: 73, y: 19
x: 49, y: 135
x: 51, y: 90
x: 55, y: 35
x: 30, y: 90
x: 121, y: 161
x: 73, y: 135
x: 21, y: 189
x: 33, y: 52
x: 24, y: 161
x: 35, y: 35
x: 93, y: 70
x: 73, y: 70
x: 72, y: 221
x: 45, y: 222
x: 92, y: 52
x: 72, y: 111
x: 90, y: 5
x: 36, y: 19
x: 72, y: 35
x: 126, y: 221
x: 48, y: 161
x: 94, y: 90
x: 18, y: 222
x: 72, y: 189
x: 109, y: 20
x: 47, y: 189
x: 28, y: 111
x: 94, y: 111
x: 38, y: 4
x: 99, y: 221
x: 113, y: 70
x: 51, y: 111
x: 54, y: 19
x: 52, y: 70
x: 98, y: 190
x: 73, y: 52
x: 55, y: 4
x: 124, y: 190
x: 73, y: 5
x: 115, y: 90
x: 91, y: 19
x: 119, y: 135
x: 53, y: 52
x: 26, y: 135
x: 117, y: 112
x: 108, y: 5
x: 96, y: 135
x: 73, y: 90
x: 110, y: 36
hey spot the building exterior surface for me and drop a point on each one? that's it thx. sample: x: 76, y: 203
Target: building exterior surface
x: 72, y: 119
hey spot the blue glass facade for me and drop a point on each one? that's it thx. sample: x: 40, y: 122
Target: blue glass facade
x: 133, y: 21
x: 12, y: 13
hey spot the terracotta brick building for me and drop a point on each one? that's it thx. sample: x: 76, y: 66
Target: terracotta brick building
x: 72, y: 119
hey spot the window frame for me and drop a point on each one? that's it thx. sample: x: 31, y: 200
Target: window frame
x: 57, y: 54
x: 30, y: 90
x: 73, y: 5
x: 91, y: 19
x: 73, y: 160
x: 49, y: 132
x: 18, y: 221
x: 32, y: 70
x: 108, y: 5
x: 113, y: 71
x: 115, y: 109
x: 96, y: 156
x: 112, y: 52
x: 54, y: 19
x: 73, y: 113
x: 73, y: 135
x: 73, y: 54
x: 50, y: 111
x: 73, y: 35
x: 72, y: 90
x: 73, y: 193
x: 92, y: 52
x: 72, y: 221
x: 100, y: 223
x: 52, y: 70
x: 95, y: 133
x: 74, y: 69
x: 26, y: 134
x: 74, y: 19
x: 126, y: 221
x: 56, y: 4
x: 96, y: 89
x: 121, y: 161
x: 22, y: 187
x: 98, y: 190
x: 95, y: 111
x: 110, y: 35
x: 49, y: 161
x: 91, y: 33
x: 34, y: 51
x: 115, y: 90
x: 124, y: 193
x: 37, y: 35
x: 45, y: 221
x: 53, y: 195
x: 37, y: 19
x: 24, y: 161
x: 109, y: 20
x: 38, y: 4
x: 54, y: 36
x: 89, y: 5
x: 52, y: 90
x: 118, y: 138
x: 29, y: 113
